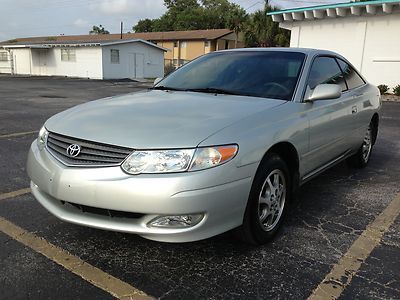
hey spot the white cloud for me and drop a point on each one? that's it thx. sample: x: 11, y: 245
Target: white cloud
x: 132, y: 8
x: 112, y: 7
x: 81, y: 23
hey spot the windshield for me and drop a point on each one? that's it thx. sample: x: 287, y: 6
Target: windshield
x: 268, y: 74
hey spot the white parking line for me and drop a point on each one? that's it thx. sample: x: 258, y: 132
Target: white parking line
x: 93, y: 275
x: 342, y: 273
x: 14, y: 194
x: 5, y: 136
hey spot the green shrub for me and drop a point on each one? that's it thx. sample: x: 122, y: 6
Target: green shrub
x: 383, y: 88
x: 396, y: 90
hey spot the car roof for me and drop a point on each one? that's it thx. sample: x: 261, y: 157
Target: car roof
x: 307, y: 51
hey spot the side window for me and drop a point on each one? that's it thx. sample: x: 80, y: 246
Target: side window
x: 325, y: 70
x: 352, y: 78
x: 68, y: 55
x: 114, y: 56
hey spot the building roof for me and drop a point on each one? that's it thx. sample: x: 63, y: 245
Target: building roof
x: 210, y: 34
x: 53, y: 44
x: 47, y: 45
x: 337, y: 10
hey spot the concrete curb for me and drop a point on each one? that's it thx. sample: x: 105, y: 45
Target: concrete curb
x: 390, y: 98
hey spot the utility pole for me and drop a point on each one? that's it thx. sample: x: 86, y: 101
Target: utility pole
x: 122, y: 25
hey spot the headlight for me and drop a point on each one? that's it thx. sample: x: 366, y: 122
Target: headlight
x: 165, y: 161
x: 42, y: 138
x: 181, y: 160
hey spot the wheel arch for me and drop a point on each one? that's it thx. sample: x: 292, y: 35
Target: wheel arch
x: 288, y: 152
x: 375, y: 123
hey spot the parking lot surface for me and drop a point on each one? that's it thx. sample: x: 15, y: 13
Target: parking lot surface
x: 332, y: 213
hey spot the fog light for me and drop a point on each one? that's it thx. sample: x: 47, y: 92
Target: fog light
x: 181, y: 221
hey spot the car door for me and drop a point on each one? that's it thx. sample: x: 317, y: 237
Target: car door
x: 327, y: 118
x: 356, y: 103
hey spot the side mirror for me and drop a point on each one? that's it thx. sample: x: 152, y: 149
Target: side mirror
x: 157, y: 80
x: 325, y: 92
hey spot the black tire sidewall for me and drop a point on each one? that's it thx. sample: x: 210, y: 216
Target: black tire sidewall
x: 357, y: 160
x: 251, y: 221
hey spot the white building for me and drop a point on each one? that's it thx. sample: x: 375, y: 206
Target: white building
x: 86, y: 59
x: 366, y: 33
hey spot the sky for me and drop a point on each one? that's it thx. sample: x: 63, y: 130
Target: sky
x: 25, y: 18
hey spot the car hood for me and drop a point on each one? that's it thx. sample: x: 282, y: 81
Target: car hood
x: 156, y: 119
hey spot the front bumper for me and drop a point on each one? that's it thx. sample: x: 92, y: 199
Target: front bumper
x: 220, y: 194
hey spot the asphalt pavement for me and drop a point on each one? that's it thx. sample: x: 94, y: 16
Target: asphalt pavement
x: 332, y: 213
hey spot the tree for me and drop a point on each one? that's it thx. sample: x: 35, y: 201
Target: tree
x: 261, y: 31
x: 145, y: 25
x: 191, y: 15
x: 98, y: 30
x: 237, y: 21
x: 258, y: 28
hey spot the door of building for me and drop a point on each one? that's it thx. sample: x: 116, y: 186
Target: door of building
x: 136, y: 65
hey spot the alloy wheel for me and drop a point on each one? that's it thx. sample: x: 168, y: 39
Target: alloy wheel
x: 271, y: 200
x: 367, y: 144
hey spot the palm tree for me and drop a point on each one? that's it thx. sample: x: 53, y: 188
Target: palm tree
x: 237, y: 22
x: 263, y: 32
x: 98, y: 30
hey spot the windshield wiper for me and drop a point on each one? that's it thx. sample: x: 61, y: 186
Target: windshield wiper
x: 165, y: 88
x: 215, y: 91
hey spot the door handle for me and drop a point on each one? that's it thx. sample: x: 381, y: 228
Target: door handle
x: 357, y: 96
x: 354, y: 110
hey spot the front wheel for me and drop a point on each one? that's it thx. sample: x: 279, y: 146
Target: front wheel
x: 361, y: 158
x: 267, y: 202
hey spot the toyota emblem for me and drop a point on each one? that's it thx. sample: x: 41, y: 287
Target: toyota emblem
x: 73, y: 150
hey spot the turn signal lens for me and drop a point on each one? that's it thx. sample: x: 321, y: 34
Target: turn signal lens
x: 209, y: 157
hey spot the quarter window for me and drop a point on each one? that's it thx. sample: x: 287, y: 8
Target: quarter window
x: 325, y: 70
x: 114, y: 56
x: 68, y: 55
x: 352, y: 78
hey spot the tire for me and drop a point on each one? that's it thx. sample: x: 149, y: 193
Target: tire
x: 268, y: 200
x: 361, y: 158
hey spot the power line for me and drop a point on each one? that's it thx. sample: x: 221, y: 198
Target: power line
x: 305, y: 2
x: 258, y: 2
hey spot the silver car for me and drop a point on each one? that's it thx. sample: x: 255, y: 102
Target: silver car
x: 222, y: 143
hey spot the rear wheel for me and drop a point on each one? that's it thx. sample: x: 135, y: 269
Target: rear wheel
x: 361, y: 158
x: 267, y: 202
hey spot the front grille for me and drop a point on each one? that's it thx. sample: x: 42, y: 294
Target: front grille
x: 92, y: 154
x: 102, y: 211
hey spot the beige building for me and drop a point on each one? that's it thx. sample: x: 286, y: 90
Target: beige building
x: 185, y: 46
x: 182, y: 46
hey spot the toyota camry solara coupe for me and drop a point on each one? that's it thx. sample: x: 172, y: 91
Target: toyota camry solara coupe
x: 222, y: 143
